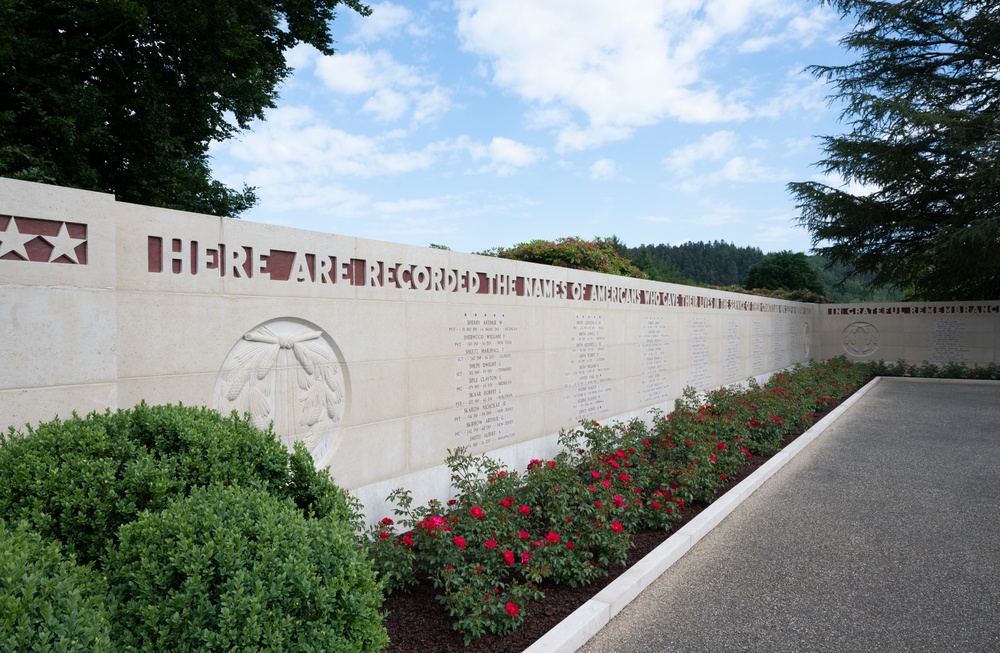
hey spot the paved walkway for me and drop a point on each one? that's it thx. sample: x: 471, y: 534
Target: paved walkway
x: 883, y: 535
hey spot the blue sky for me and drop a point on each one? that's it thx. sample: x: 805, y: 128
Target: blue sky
x: 483, y: 123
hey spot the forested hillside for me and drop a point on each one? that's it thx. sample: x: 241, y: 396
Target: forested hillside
x: 719, y: 263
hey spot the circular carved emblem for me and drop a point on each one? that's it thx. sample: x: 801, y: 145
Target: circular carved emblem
x: 288, y: 372
x: 860, y: 339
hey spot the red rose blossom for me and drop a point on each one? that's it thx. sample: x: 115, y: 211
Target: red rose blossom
x: 552, y: 537
x: 616, y: 527
x: 525, y: 510
x: 508, y: 557
x: 490, y: 544
x: 386, y: 521
x: 459, y: 541
x: 512, y: 609
x: 476, y: 512
x: 523, y: 535
x: 385, y: 535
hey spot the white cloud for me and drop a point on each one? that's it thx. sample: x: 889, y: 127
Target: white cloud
x: 295, y: 142
x: 737, y: 169
x: 799, y: 145
x: 385, y: 20
x: 387, y: 105
x: 744, y: 170
x: 604, y: 69
x: 409, y: 206
x: 800, y: 94
x: 393, y: 88
x: 603, y: 169
x: 721, y: 149
x: 358, y: 72
x: 801, y: 30
x: 502, y: 156
x: 836, y: 180
x: 301, y: 55
x: 714, y: 146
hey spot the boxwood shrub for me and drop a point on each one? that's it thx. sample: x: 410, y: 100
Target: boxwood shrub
x: 48, y: 602
x: 229, y: 568
x: 79, y: 480
x: 266, y: 557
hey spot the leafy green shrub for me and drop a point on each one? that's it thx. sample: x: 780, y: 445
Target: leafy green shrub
x: 598, y: 255
x: 47, y: 602
x: 79, y: 480
x: 951, y: 370
x: 231, y: 568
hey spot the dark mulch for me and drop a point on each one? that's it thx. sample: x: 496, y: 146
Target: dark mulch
x: 417, y: 623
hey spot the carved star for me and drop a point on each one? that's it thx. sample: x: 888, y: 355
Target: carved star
x: 13, y: 240
x: 63, y: 244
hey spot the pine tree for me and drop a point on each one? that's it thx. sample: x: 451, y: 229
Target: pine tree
x: 923, y: 104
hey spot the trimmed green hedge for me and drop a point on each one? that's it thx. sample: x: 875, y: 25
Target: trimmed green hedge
x: 48, y: 602
x: 230, y: 568
x: 175, y: 505
x: 79, y: 480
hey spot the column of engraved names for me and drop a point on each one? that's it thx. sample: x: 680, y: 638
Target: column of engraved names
x: 757, y: 348
x: 777, y: 343
x: 653, y: 345
x: 484, y: 380
x: 794, y: 340
x: 700, y: 374
x: 733, y: 362
x: 589, y: 368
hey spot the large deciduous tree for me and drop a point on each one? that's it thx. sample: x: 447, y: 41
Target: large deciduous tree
x: 923, y: 155
x: 125, y: 96
x: 784, y: 271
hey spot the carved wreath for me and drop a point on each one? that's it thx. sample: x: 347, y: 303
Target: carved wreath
x: 305, y: 379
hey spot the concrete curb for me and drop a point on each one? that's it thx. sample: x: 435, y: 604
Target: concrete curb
x: 573, y: 632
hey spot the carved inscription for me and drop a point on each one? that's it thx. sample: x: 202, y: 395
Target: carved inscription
x: 860, y: 339
x: 922, y: 309
x: 586, y: 381
x: 949, y: 341
x: 42, y: 241
x: 733, y: 360
x: 235, y: 260
x: 756, y: 348
x: 286, y: 372
x: 700, y: 373
x: 484, y: 380
x: 653, y: 352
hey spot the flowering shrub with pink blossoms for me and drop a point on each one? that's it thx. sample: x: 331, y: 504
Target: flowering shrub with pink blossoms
x: 565, y: 520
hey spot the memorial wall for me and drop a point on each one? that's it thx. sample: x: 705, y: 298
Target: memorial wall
x: 383, y: 357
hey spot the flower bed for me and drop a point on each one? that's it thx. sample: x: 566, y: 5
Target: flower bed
x: 507, y: 535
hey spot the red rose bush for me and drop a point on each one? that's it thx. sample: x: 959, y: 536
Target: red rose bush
x: 488, y: 550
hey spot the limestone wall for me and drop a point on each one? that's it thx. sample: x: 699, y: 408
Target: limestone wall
x: 935, y: 332
x: 381, y: 357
